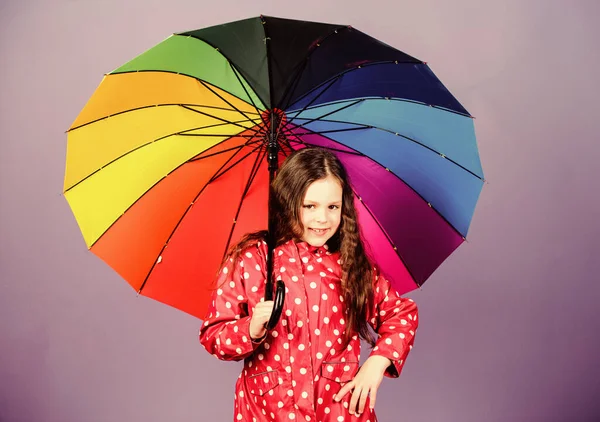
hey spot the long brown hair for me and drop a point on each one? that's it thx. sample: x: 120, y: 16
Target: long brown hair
x: 296, y: 174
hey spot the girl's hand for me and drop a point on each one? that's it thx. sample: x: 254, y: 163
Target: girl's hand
x: 261, y: 315
x: 365, y: 384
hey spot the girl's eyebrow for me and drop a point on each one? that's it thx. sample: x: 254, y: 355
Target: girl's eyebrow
x: 308, y: 201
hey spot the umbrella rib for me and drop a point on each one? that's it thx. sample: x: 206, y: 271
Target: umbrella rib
x: 336, y: 130
x: 217, y: 175
x: 240, y: 147
x: 299, y: 141
x: 253, y: 174
x: 181, y: 219
x: 391, y: 172
x: 202, y: 81
x: 408, y: 138
x: 152, y: 106
x: 226, y: 58
x: 356, y: 101
x: 380, y: 98
x: 238, y: 76
x: 296, y: 80
x: 220, y: 118
x: 228, y: 103
x: 312, y: 101
x: 142, y: 146
x: 200, y: 157
x: 386, y: 236
x: 338, y: 76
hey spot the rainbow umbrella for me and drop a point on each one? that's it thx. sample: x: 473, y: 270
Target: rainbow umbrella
x: 169, y: 162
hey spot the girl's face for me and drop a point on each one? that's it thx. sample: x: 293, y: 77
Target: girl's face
x: 321, y: 210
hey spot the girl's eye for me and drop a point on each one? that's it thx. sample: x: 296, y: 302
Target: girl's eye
x: 309, y: 206
x: 334, y: 207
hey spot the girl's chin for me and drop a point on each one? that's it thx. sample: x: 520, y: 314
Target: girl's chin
x: 314, y: 240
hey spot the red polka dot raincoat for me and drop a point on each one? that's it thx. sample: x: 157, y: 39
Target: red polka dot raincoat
x: 293, y: 373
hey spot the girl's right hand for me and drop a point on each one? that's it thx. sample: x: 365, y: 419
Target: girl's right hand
x: 260, y: 317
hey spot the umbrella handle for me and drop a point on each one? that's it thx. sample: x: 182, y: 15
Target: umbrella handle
x: 277, y: 305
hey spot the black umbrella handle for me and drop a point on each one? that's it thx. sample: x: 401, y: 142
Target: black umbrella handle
x: 277, y: 305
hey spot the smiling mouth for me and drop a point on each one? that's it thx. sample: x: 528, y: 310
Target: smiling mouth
x: 319, y: 231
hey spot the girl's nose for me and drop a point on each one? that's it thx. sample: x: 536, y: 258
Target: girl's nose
x: 321, y: 217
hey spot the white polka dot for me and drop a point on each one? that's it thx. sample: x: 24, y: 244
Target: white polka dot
x: 313, y: 285
x: 292, y: 259
x: 277, y: 358
x: 231, y: 284
x: 280, y: 404
x: 292, y: 415
x: 227, y: 305
x: 317, y: 331
x: 286, y: 345
x: 341, y: 418
x: 246, y: 275
x: 294, y: 278
x: 282, y: 269
x: 326, y: 320
x: 310, y: 268
x: 319, y: 355
x: 305, y: 260
x: 320, y: 400
x: 315, y: 308
x: 334, y: 308
x: 290, y: 336
x: 225, y: 270
x: 328, y: 343
x: 327, y: 410
x: 254, y: 289
x: 219, y: 292
x: 239, y: 417
x: 322, y: 274
x: 304, y: 394
x: 290, y: 393
x: 257, y: 267
x: 303, y: 371
x: 248, y: 254
x: 301, y: 347
x: 288, y: 312
x: 324, y: 296
x: 403, y: 322
x: 300, y: 323
x: 402, y: 335
x: 297, y: 301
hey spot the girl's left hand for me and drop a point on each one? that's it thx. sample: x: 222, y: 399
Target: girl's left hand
x: 365, y: 384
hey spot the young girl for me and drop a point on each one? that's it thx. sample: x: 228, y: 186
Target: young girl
x: 307, y: 367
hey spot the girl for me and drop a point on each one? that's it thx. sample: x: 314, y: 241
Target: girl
x: 307, y: 367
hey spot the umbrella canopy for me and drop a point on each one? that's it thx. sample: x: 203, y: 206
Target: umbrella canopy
x: 167, y: 162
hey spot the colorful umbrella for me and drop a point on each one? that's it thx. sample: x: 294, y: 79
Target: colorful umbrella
x: 167, y: 164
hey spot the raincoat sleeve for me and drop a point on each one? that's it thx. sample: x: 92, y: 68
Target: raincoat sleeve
x: 395, y: 320
x: 225, y: 332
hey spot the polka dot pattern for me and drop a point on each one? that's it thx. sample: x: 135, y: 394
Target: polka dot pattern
x: 293, y: 373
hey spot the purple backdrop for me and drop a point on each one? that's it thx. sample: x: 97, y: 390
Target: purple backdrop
x: 509, y: 324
